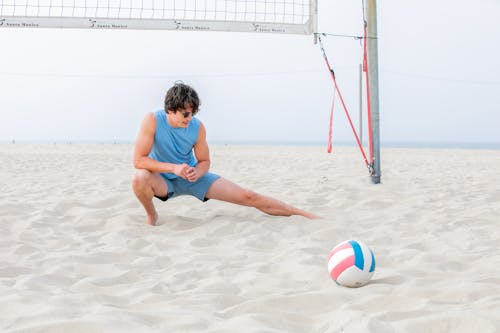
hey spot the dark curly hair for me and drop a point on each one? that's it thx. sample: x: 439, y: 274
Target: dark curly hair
x: 181, y: 96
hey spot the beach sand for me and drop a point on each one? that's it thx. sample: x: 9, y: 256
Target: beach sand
x: 77, y: 256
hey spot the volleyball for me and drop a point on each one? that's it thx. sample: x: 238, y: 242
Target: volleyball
x: 351, y: 263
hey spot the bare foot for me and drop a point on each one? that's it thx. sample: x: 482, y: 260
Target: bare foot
x: 152, y: 219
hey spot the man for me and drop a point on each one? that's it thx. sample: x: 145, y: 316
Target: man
x: 172, y: 158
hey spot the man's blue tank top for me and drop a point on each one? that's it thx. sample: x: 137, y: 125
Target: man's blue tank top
x: 174, y: 145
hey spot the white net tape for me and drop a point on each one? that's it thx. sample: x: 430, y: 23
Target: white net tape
x: 287, y: 16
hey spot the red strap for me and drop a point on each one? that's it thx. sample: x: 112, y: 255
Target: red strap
x: 350, y: 122
x: 332, y: 74
x: 330, y: 147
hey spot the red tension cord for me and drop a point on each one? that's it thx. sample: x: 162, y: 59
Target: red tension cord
x: 332, y: 74
x: 330, y: 146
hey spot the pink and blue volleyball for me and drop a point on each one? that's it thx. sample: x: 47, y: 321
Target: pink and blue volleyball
x: 351, y: 263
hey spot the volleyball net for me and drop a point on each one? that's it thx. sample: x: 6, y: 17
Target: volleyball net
x: 267, y: 16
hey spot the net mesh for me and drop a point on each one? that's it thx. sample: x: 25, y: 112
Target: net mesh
x: 290, y: 12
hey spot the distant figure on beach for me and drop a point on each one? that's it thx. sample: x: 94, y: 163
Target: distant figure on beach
x: 171, y: 157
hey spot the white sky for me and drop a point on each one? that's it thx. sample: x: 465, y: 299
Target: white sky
x: 439, y: 77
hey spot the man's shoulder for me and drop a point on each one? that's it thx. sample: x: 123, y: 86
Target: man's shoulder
x: 150, y: 117
x: 153, y: 116
x: 200, y: 131
x: 157, y: 113
x: 149, y: 122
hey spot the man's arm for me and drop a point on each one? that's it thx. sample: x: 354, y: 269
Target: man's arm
x: 143, y: 146
x: 202, y: 154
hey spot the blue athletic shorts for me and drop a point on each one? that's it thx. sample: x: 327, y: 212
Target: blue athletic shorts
x: 179, y: 186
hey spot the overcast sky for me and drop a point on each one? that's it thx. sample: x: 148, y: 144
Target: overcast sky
x: 439, y: 77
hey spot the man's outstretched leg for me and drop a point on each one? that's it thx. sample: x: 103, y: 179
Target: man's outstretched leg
x: 225, y: 190
x: 146, y: 184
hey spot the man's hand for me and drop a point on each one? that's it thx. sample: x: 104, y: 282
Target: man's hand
x: 192, y: 174
x: 181, y: 170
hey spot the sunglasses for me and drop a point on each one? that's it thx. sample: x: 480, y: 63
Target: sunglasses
x: 188, y: 113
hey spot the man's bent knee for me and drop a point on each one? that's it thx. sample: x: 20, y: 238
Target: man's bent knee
x: 146, y: 181
x: 141, y: 178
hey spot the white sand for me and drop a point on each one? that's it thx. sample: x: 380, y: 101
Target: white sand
x: 76, y: 255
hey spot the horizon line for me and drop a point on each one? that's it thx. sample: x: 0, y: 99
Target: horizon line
x: 342, y: 143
